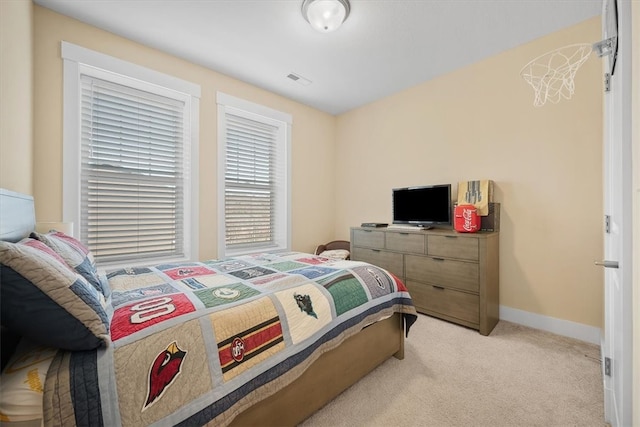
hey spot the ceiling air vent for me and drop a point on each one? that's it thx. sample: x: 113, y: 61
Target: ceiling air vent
x: 299, y: 79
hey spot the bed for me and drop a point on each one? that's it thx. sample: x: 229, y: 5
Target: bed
x: 265, y: 339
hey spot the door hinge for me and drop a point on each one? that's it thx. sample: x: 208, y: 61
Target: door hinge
x: 607, y: 224
x: 607, y: 366
x: 607, y: 82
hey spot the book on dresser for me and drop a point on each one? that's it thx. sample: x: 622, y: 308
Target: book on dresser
x: 452, y: 276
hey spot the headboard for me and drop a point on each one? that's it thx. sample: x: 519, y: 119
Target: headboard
x: 17, y: 220
x: 17, y: 215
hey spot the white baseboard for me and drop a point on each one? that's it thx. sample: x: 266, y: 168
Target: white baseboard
x: 562, y: 327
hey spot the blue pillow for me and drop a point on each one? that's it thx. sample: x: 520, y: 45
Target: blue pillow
x: 45, y: 300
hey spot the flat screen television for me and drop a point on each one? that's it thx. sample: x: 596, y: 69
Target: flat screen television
x: 425, y: 206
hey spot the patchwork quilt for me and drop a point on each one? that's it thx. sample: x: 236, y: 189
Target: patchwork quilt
x: 199, y: 342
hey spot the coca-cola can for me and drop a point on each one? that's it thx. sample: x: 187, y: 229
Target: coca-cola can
x: 466, y: 219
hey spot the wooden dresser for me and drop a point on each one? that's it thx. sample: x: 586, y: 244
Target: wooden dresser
x: 450, y: 275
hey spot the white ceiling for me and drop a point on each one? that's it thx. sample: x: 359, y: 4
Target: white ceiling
x: 383, y: 47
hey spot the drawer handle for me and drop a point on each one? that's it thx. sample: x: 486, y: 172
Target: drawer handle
x: 437, y: 259
x: 404, y: 234
x: 440, y: 288
x: 375, y: 250
x: 451, y: 237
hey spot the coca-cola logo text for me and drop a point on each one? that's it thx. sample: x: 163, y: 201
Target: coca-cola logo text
x: 467, y: 215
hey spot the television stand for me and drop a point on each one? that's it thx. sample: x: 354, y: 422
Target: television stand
x: 452, y: 276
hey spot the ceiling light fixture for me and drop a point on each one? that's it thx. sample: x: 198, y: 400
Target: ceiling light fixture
x: 325, y: 15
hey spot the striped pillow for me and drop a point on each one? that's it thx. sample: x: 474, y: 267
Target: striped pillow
x: 76, y: 255
x: 45, y: 300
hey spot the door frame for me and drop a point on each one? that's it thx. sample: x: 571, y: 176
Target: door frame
x: 635, y: 148
x: 621, y: 131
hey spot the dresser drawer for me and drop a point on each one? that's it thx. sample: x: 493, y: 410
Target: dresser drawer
x: 453, y: 247
x: 388, y: 260
x: 447, y: 302
x: 368, y: 238
x: 406, y: 242
x: 443, y: 272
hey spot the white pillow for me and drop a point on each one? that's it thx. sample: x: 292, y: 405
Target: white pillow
x: 22, y: 383
x: 335, y: 254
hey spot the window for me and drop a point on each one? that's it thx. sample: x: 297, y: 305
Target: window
x: 253, y: 196
x: 129, y: 139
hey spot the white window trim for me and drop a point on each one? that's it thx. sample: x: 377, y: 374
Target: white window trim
x: 225, y: 102
x: 76, y: 59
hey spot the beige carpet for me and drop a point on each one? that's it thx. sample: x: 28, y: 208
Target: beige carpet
x: 453, y: 376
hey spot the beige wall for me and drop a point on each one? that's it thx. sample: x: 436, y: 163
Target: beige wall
x: 479, y: 123
x: 312, y: 138
x: 16, y: 95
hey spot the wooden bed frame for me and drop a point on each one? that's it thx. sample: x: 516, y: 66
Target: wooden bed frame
x: 331, y: 374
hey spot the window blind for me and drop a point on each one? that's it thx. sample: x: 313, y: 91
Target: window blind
x: 132, y: 172
x: 250, y: 182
